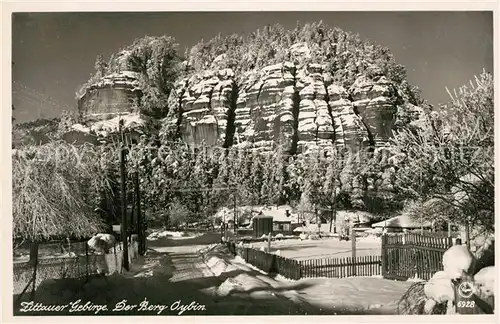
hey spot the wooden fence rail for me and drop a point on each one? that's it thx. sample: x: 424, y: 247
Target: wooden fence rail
x: 341, y: 267
x: 413, y: 255
x: 293, y: 269
x: 403, y: 256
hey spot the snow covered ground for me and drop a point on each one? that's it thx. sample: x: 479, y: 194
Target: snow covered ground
x: 360, y: 295
x: 323, y: 248
x: 209, y: 276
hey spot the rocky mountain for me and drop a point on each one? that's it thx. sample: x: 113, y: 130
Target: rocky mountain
x: 298, y: 106
x: 304, y: 89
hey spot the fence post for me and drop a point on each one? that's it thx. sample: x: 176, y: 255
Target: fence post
x: 353, y: 248
x: 34, y: 263
x: 384, y: 255
x: 450, y: 241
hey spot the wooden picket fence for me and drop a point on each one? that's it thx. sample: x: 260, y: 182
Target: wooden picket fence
x: 294, y: 269
x: 405, y: 256
x: 342, y: 267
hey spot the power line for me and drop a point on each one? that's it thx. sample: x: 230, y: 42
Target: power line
x: 40, y: 95
x: 41, y: 107
x: 37, y: 93
x: 36, y: 100
x: 39, y: 103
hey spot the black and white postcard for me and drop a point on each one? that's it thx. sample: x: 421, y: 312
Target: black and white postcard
x: 239, y: 163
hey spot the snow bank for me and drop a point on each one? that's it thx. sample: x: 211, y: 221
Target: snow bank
x: 358, y: 293
x: 157, y: 235
x: 314, y: 237
x: 219, y: 266
x: 246, y: 284
x: 227, y: 287
x: 240, y: 261
x: 415, y: 279
x: 250, y: 282
x: 208, y: 248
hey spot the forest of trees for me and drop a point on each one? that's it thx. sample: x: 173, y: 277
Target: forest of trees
x: 441, y: 184
x: 181, y: 184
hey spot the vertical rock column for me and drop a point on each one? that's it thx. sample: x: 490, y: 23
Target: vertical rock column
x: 315, y: 123
x: 350, y: 132
x: 373, y: 101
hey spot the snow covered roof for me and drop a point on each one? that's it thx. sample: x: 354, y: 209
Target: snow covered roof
x: 279, y: 214
x: 355, y: 216
x: 402, y: 221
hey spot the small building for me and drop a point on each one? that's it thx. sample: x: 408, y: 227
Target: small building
x: 402, y: 223
x: 284, y: 221
x: 262, y: 225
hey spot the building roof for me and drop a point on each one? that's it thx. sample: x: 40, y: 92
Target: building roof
x: 279, y: 214
x: 355, y: 216
x: 402, y: 221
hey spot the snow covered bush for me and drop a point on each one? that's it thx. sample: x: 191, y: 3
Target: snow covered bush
x: 485, y: 281
x: 458, y: 260
x: 102, y: 242
x: 439, y: 289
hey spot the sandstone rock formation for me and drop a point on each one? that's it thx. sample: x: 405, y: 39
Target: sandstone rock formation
x: 112, y: 94
x: 293, y: 104
x: 107, y: 101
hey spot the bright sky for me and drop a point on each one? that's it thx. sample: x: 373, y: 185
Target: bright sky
x: 54, y: 53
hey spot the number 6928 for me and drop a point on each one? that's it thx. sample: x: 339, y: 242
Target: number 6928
x: 466, y: 303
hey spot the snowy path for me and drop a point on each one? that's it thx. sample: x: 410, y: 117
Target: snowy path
x: 186, y: 262
x: 267, y: 295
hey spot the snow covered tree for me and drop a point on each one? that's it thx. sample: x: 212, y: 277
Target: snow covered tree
x: 100, y: 66
x: 450, y: 164
x: 256, y: 179
x: 157, y: 61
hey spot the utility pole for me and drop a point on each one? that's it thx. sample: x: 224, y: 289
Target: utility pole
x: 225, y: 227
x: 139, y: 215
x: 123, y: 226
x: 421, y: 221
x: 317, y: 219
x: 334, y: 211
x: 353, y: 247
x: 234, y: 217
